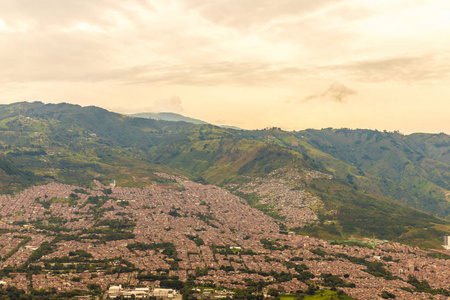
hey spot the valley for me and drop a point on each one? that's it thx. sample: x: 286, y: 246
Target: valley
x: 92, y: 199
x: 66, y: 238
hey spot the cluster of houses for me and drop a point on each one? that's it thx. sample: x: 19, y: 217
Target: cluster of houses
x: 116, y: 291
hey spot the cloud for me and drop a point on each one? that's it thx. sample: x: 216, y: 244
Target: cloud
x: 336, y: 93
x: 51, y: 14
x: 198, y: 48
x: 218, y: 73
x: 193, y: 42
x: 398, y: 68
x: 423, y: 68
x: 246, y: 14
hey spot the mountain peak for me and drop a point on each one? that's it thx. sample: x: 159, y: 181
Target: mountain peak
x: 168, y: 116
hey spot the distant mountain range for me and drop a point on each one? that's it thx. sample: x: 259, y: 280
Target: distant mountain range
x: 346, y: 183
x: 167, y: 116
x: 173, y: 117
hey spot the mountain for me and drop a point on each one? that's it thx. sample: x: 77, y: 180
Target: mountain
x: 173, y: 117
x: 166, y: 116
x: 330, y: 186
x: 71, y: 144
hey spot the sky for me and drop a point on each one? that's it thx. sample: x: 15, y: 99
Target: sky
x: 373, y: 64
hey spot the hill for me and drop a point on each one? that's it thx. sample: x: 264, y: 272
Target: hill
x: 13, y: 179
x: 353, y: 198
x: 412, y: 169
x: 70, y: 144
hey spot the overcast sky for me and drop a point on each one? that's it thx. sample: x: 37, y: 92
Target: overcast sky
x: 294, y: 64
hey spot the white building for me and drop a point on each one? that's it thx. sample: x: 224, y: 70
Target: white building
x: 114, y: 291
x: 447, y: 242
x: 138, y: 293
x: 164, y: 293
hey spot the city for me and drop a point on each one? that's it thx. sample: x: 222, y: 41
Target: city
x: 219, y: 241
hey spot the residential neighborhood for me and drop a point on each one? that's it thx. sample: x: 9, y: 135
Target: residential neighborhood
x: 142, y: 238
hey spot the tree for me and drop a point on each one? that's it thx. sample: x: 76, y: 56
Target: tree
x: 387, y: 295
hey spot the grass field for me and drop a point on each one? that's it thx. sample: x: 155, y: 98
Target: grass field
x: 319, y: 295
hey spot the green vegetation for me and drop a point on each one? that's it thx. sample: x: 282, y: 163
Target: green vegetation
x: 25, y: 240
x: 387, y: 295
x: 411, y: 169
x: 438, y: 255
x: 312, y: 294
x: 319, y: 252
x: 327, y: 295
x: 61, y: 142
x: 334, y: 281
x: 110, y: 230
x: 357, y: 213
x: 80, y: 253
x: 423, y: 286
x: 196, y: 239
x: 44, y: 249
x: 272, y: 245
x: 374, y: 268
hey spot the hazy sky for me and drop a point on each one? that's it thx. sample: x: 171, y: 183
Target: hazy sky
x: 295, y: 64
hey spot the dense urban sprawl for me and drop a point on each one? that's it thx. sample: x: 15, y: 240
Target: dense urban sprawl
x: 80, y: 239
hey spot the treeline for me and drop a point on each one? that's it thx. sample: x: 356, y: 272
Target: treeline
x: 424, y: 287
x: 374, y: 268
x: 167, y: 248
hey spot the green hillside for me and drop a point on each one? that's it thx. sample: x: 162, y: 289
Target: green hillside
x: 73, y: 144
x: 59, y: 142
x: 13, y: 179
x: 414, y: 169
x: 358, y: 213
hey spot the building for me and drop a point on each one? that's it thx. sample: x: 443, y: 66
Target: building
x: 164, y: 293
x: 114, y: 291
x: 447, y: 242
